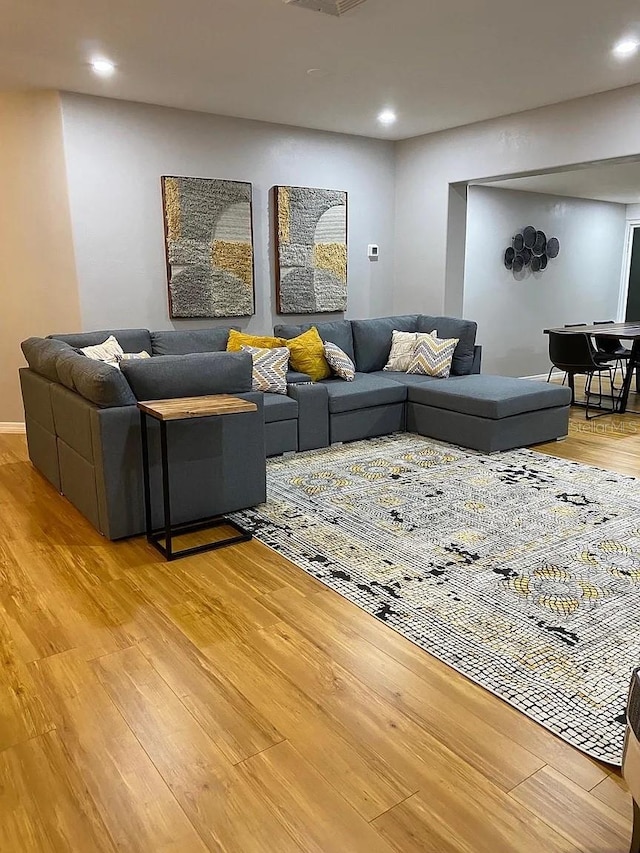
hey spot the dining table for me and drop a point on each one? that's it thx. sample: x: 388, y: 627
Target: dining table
x: 626, y: 331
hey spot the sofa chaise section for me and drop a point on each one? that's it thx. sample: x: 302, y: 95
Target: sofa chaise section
x: 489, y: 413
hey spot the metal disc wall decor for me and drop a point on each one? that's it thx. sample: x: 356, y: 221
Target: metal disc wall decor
x: 530, y: 249
x: 553, y: 248
x: 540, y: 243
x: 529, y: 236
x: 509, y: 255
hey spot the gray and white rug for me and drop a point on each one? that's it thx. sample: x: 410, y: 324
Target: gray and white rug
x: 519, y: 570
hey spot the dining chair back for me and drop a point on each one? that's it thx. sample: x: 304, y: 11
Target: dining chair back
x: 574, y: 353
x: 611, y: 346
x: 566, y: 326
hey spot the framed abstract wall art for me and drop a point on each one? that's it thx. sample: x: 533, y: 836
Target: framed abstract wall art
x: 209, y: 246
x: 311, y: 250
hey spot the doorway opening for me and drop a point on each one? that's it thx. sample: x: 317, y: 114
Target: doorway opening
x: 629, y: 305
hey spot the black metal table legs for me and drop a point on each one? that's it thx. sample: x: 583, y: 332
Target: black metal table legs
x: 166, y: 533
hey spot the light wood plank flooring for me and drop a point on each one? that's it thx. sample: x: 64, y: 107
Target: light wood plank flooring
x: 228, y: 702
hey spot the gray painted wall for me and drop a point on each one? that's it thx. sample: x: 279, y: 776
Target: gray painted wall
x: 581, y: 285
x: 115, y: 154
x: 584, y: 130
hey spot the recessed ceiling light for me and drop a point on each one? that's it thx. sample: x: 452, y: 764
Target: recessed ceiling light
x: 103, y: 67
x: 387, y: 117
x: 626, y: 48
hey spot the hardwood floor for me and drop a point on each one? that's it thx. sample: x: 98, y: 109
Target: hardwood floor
x: 229, y: 702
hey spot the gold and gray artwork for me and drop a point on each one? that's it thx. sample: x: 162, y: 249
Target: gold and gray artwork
x: 311, y: 251
x: 209, y: 242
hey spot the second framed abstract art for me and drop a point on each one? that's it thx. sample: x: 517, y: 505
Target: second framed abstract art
x: 311, y: 250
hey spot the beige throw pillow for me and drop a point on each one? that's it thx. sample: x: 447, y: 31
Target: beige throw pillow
x: 108, y: 351
x: 134, y: 356
x: 402, y: 347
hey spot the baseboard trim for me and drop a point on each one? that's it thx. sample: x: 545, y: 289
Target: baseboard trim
x: 12, y: 428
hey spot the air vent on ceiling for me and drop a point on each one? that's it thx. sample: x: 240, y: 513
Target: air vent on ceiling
x: 329, y: 7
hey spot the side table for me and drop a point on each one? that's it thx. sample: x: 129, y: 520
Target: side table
x: 180, y: 409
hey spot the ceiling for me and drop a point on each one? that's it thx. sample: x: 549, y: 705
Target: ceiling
x: 438, y: 64
x: 619, y: 182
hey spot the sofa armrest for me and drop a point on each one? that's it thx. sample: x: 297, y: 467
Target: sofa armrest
x: 477, y: 359
x: 313, y: 415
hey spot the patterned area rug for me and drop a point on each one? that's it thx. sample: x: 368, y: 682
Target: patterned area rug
x: 519, y: 570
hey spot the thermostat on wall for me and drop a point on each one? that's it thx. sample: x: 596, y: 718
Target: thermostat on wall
x: 373, y: 252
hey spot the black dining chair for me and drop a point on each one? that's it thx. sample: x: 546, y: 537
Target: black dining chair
x: 574, y: 353
x: 566, y: 326
x: 611, y: 349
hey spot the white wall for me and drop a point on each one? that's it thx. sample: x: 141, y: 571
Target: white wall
x: 581, y: 285
x: 584, y: 130
x: 116, y: 152
x: 39, y: 290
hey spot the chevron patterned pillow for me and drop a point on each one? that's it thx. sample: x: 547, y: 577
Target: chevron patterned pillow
x: 433, y: 356
x: 339, y: 362
x: 269, y: 369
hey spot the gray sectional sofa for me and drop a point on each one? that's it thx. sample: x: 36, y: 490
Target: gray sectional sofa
x: 83, y: 427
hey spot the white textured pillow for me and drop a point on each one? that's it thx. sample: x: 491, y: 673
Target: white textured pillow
x: 339, y: 362
x: 108, y: 351
x: 402, y: 347
x: 269, y: 369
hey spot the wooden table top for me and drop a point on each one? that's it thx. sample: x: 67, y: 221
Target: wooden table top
x: 608, y: 330
x: 195, y: 407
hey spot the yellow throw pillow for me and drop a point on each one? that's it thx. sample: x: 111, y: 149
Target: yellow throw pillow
x: 237, y: 340
x: 307, y: 355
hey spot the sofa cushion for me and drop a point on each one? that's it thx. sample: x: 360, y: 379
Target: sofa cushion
x: 406, y: 379
x: 186, y: 341
x: 363, y: 393
x: 372, y: 339
x: 42, y: 354
x: 492, y: 397
x: 279, y: 408
x: 337, y: 332
x: 96, y: 381
x: 131, y: 340
x: 191, y: 375
x: 453, y: 327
